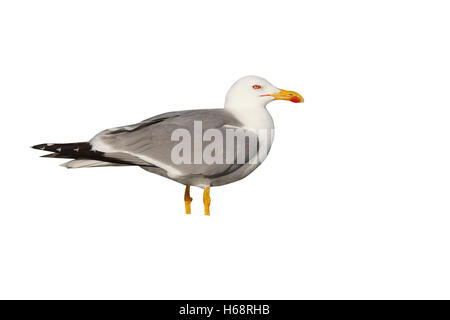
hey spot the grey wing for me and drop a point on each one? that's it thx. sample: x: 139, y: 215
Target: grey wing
x: 149, y: 143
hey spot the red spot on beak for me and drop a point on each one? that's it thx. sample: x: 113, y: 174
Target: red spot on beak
x: 295, y: 99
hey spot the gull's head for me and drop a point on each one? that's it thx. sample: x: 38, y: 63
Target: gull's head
x: 253, y: 91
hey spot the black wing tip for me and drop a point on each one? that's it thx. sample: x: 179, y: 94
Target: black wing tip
x: 50, y: 155
x: 41, y: 146
x: 64, y: 147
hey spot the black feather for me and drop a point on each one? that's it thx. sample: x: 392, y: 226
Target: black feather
x: 77, y: 150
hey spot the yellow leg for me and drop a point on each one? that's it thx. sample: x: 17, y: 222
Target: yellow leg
x: 206, y: 200
x: 187, y: 200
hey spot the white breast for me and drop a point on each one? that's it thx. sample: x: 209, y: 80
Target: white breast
x: 259, y: 121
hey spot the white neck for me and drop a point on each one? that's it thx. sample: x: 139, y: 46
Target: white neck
x: 256, y: 118
x: 253, y: 114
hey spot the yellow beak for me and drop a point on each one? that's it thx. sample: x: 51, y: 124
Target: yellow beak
x: 288, y: 95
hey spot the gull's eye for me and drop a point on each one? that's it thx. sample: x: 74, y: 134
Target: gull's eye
x: 256, y: 87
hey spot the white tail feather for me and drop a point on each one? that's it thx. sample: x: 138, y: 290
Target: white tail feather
x: 87, y: 164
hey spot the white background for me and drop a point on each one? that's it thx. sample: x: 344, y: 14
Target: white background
x: 352, y: 202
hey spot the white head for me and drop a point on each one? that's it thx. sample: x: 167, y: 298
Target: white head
x: 256, y: 92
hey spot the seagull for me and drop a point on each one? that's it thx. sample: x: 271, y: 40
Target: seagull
x: 227, y: 144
